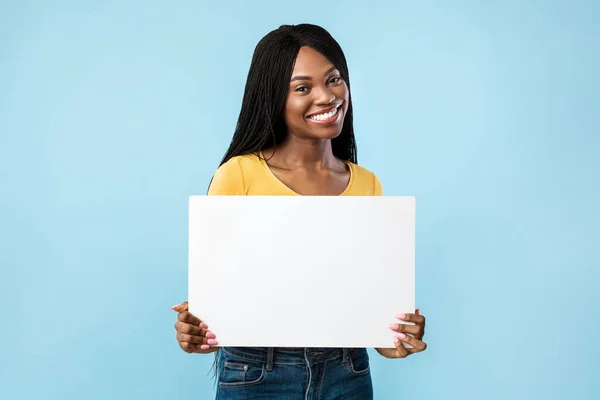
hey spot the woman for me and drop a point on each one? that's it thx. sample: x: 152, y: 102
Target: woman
x: 295, y: 136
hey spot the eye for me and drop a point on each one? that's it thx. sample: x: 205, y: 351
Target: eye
x: 302, y: 89
x: 335, y: 79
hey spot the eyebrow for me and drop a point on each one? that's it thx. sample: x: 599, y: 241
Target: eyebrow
x: 308, y: 78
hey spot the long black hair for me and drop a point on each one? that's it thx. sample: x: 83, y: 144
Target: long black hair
x: 260, y: 124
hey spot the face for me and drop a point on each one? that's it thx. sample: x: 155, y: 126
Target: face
x: 317, y: 99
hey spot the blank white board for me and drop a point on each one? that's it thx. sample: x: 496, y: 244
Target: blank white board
x: 301, y: 271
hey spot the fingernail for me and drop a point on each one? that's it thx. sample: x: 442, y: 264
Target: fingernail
x: 400, y: 316
x: 418, y: 311
x: 175, y: 306
x: 204, y: 347
x: 203, y: 325
x: 393, y: 326
x: 401, y: 335
x: 212, y: 341
x: 396, y: 340
x: 210, y: 335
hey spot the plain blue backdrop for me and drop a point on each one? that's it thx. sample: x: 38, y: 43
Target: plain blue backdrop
x: 113, y: 112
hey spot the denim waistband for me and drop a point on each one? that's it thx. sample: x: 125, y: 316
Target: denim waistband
x: 289, y: 356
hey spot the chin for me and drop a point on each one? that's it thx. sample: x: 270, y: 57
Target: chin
x: 326, y: 130
x: 324, y: 135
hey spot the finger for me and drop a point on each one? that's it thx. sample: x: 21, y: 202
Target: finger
x: 192, y: 339
x: 417, y: 344
x: 190, y: 329
x: 419, y: 335
x: 180, y: 307
x: 415, y: 350
x: 182, y: 337
x: 189, y: 318
x: 183, y: 307
x: 415, y: 318
x: 401, y: 351
x: 197, y: 348
x: 191, y: 347
x: 414, y: 329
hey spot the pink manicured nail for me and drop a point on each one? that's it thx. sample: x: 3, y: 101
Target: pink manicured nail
x: 401, y: 316
x: 204, y: 347
x: 203, y: 325
x: 210, y: 335
x: 396, y: 340
x: 418, y: 311
x: 212, y: 341
x: 175, y: 306
x: 401, y: 335
x: 393, y: 327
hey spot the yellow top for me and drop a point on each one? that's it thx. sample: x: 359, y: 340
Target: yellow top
x: 250, y: 175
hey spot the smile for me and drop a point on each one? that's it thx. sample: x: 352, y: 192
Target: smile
x: 328, y: 117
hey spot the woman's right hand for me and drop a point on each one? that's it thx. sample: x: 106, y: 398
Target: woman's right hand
x: 193, y: 335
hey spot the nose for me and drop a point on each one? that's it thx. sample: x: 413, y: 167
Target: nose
x: 324, y: 96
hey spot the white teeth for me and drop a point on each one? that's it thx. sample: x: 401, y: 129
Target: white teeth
x: 321, y: 117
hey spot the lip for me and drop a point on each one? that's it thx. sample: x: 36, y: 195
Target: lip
x: 329, y: 121
x: 324, y: 111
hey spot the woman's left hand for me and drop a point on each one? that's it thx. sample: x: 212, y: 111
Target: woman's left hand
x: 417, y: 330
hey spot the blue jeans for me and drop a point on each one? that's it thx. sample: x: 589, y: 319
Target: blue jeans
x: 286, y: 373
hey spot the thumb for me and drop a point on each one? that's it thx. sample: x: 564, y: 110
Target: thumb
x: 180, y: 307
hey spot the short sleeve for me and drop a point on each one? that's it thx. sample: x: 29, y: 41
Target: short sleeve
x: 228, y: 180
x: 377, y: 187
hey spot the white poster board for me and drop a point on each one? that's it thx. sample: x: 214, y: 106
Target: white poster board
x: 301, y: 271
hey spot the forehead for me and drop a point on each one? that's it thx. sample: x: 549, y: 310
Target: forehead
x: 311, y: 63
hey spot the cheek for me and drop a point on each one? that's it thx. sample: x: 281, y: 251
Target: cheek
x: 342, y: 92
x: 295, y: 110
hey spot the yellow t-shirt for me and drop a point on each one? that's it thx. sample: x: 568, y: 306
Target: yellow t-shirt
x: 249, y: 175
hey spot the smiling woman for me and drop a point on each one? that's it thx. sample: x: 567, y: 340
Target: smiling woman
x: 295, y: 136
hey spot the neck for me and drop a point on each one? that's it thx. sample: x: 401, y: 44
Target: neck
x: 304, y: 153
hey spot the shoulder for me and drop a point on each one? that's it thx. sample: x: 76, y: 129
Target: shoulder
x: 367, y: 179
x: 231, y: 177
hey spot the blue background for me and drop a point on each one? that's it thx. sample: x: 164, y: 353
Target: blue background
x: 113, y: 112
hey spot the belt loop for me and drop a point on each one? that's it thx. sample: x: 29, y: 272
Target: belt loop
x: 270, y: 359
x: 345, y: 353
